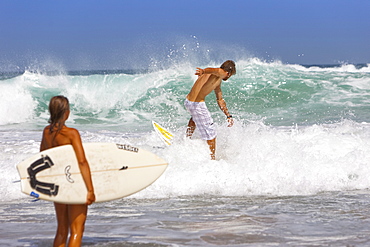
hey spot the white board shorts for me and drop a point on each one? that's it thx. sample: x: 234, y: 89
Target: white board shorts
x: 202, y: 118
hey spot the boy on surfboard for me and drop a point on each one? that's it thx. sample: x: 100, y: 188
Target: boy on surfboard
x: 209, y: 79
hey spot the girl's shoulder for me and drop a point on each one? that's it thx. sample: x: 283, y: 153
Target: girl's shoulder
x: 70, y: 132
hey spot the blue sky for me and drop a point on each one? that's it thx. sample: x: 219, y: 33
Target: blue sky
x: 119, y: 34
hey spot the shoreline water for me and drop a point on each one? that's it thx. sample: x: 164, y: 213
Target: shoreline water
x: 325, y: 219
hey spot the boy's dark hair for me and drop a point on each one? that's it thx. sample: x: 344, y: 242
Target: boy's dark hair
x: 229, y: 66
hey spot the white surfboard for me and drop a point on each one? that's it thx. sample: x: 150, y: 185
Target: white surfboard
x: 117, y: 171
x: 163, y: 134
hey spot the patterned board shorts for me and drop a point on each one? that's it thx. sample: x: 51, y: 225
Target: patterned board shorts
x: 202, y: 118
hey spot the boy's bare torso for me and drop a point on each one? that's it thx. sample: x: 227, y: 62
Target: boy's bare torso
x: 205, y: 84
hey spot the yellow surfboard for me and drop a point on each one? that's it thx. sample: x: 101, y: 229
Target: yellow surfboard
x: 163, y: 134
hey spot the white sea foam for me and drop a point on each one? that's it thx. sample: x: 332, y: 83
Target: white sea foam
x: 261, y: 160
x: 252, y: 159
x: 17, y: 105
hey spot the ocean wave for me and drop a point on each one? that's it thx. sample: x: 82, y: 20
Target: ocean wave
x: 281, y: 94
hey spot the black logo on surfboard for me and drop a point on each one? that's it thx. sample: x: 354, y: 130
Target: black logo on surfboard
x: 39, y: 165
x: 127, y: 148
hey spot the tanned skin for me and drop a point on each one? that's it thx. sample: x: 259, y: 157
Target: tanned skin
x: 209, y: 80
x: 70, y: 216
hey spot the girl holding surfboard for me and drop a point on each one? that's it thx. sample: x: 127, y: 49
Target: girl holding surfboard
x: 70, y: 217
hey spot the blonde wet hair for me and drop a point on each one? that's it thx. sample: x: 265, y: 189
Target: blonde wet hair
x: 58, y: 107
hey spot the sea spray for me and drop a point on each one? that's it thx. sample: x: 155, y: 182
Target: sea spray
x: 256, y: 159
x: 281, y: 95
x: 298, y: 130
